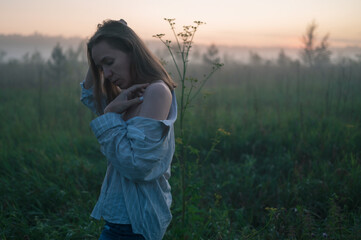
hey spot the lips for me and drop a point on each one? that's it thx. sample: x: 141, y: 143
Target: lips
x: 117, y: 82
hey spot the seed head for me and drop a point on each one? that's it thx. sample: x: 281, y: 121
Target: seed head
x: 160, y: 35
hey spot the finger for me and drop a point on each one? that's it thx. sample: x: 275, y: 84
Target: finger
x: 137, y: 87
x: 133, y: 95
x: 134, y: 101
x: 134, y: 90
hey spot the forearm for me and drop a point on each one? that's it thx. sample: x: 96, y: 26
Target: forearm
x: 87, y: 98
x: 134, y: 155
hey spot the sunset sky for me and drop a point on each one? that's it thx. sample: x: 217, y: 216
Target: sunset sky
x: 229, y: 22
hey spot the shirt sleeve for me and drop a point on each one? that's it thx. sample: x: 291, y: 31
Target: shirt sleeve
x: 139, y: 149
x: 87, y: 98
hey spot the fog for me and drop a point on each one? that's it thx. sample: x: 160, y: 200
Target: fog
x: 17, y: 46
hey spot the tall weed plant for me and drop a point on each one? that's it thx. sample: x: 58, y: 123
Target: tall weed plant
x: 190, y: 87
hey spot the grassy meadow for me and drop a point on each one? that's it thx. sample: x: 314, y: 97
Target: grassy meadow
x: 274, y: 152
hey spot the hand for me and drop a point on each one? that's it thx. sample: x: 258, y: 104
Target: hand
x: 89, y: 79
x: 127, y: 98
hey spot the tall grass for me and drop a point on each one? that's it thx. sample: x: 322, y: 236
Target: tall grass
x: 290, y: 168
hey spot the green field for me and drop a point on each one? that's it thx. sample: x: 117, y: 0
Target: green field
x: 275, y: 153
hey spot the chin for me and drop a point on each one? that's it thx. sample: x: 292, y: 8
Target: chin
x: 125, y: 86
x: 121, y: 86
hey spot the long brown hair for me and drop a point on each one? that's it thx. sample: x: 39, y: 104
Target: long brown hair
x: 144, y: 66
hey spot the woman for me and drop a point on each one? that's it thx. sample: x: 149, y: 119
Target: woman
x: 134, y: 97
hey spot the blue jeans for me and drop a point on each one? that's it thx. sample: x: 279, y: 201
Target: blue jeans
x: 112, y: 231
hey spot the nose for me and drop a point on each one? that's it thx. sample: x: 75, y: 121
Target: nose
x: 107, y: 73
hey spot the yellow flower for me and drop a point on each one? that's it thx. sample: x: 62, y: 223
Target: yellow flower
x: 223, y: 132
x: 178, y: 141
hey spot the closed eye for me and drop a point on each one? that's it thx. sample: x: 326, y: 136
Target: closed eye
x: 107, y: 61
x: 104, y: 62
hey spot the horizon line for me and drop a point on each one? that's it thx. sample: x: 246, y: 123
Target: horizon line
x: 346, y: 45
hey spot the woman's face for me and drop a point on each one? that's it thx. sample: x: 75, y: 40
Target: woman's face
x: 114, y: 64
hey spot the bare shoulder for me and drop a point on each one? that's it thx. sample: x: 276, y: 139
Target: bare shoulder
x: 158, y: 90
x: 157, y: 101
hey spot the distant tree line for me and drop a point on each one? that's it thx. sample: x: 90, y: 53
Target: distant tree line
x: 63, y: 66
x: 70, y: 65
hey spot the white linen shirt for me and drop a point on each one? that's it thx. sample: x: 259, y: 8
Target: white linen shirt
x: 139, y: 153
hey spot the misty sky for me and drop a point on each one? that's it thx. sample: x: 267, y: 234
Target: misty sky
x: 236, y: 22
